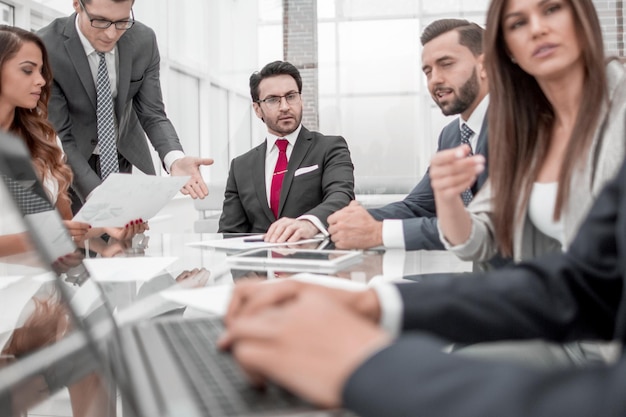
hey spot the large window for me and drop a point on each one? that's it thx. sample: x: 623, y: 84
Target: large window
x: 372, y: 90
x: 7, y: 14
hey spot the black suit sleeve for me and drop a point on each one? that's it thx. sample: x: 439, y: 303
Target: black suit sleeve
x: 562, y: 297
x: 414, y: 378
x: 233, y: 218
x: 337, y: 180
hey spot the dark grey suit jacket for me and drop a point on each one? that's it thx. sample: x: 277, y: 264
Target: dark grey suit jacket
x: 418, y: 210
x: 580, y: 294
x: 138, y: 107
x: 320, y: 192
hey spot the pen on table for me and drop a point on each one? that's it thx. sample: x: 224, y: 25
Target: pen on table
x: 254, y: 239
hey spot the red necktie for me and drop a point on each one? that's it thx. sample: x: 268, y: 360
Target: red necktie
x: 279, y: 174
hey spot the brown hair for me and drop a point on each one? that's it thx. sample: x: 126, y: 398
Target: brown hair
x: 470, y: 34
x: 271, y: 70
x: 521, y: 118
x: 32, y: 125
x: 45, y: 325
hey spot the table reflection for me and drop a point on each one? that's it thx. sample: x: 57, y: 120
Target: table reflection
x: 37, y: 321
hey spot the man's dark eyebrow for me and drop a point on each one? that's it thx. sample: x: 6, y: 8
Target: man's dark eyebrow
x: 438, y: 61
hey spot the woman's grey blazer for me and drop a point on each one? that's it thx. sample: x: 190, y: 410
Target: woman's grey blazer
x: 605, y: 157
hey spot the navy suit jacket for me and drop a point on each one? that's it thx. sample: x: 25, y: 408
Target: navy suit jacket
x: 417, y: 210
x: 318, y: 192
x: 580, y: 294
x: 138, y: 106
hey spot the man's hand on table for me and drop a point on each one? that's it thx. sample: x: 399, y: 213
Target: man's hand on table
x: 305, y: 340
x: 287, y: 229
x: 353, y: 227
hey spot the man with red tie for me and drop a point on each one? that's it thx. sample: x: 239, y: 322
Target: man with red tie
x: 288, y: 185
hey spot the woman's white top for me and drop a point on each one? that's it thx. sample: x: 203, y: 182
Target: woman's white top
x: 541, y: 210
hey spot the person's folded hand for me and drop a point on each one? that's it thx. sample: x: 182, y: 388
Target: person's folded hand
x: 249, y: 298
x: 304, y: 336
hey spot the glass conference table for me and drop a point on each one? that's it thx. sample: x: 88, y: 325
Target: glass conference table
x: 46, y: 360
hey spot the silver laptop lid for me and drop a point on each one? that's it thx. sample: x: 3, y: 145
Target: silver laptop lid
x: 53, y: 328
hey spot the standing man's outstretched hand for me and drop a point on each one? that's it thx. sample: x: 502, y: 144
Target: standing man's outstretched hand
x: 190, y: 165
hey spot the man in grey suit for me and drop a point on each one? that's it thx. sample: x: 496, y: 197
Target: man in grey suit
x: 452, y: 60
x: 316, y: 171
x: 106, y: 30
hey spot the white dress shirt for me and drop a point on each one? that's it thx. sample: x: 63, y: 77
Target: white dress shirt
x: 393, y: 232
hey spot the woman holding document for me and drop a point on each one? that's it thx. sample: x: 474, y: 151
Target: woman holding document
x: 25, y: 84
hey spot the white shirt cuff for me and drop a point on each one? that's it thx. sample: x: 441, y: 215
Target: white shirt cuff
x: 172, y: 157
x: 391, y: 307
x: 316, y: 222
x: 393, y: 264
x: 393, y: 234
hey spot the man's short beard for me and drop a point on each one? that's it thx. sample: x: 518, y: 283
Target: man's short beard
x: 467, y: 94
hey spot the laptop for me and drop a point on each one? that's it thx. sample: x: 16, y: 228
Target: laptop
x: 167, y: 366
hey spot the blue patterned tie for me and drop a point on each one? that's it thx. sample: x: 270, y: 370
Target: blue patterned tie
x: 106, y: 128
x: 466, y: 134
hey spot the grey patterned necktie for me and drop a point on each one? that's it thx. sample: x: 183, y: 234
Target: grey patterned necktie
x: 106, y: 128
x: 466, y: 134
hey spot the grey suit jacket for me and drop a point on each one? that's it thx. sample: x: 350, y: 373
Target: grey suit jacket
x: 418, y: 210
x: 561, y: 297
x: 138, y: 106
x: 320, y: 192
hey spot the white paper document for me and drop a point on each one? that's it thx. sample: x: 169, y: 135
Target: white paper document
x: 212, y: 299
x: 125, y: 197
x: 6, y: 281
x: 121, y: 269
x: 215, y: 298
x: 253, y: 242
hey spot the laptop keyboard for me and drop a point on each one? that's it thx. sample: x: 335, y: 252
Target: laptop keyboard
x: 220, y: 386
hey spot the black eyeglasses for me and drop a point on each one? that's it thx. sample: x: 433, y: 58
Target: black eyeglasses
x: 274, y: 101
x: 105, y: 24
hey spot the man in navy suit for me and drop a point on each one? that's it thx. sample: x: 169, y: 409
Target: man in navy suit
x: 452, y: 60
x: 326, y: 344
x: 318, y: 171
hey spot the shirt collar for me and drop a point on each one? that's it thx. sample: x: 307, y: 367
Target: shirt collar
x: 89, y: 49
x: 475, y: 121
x: 271, y: 138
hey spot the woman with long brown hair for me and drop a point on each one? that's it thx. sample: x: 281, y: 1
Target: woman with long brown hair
x: 557, y: 127
x: 25, y: 79
x: 25, y: 85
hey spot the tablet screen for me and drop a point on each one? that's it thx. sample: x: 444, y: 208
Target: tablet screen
x: 287, y: 257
